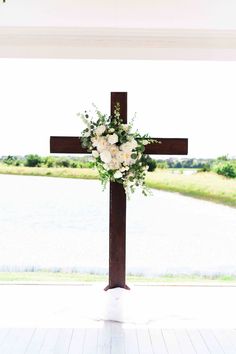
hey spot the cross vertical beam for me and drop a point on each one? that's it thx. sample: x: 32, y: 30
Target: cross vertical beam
x: 117, y: 220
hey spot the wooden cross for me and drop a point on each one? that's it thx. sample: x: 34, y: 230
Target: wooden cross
x: 117, y: 222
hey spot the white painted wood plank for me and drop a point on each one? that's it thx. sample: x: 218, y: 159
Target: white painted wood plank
x: 36, y: 341
x: 24, y: 337
x: 144, y: 341
x: 8, y: 342
x: 198, y: 342
x: 225, y: 340
x: 91, y: 341
x: 171, y: 341
x: 104, y: 339
x: 231, y: 335
x: 131, y: 340
x: 3, y: 335
x: 184, y: 341
x: 17, y: 341
x: 157, y: 340
x: 50, y: 340
x: 63, y: 341
x: 211, y: 341
x: 77, y: 341
x: 117, y: 339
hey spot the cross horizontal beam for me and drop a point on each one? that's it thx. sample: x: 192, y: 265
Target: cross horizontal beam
x: 73, y: 145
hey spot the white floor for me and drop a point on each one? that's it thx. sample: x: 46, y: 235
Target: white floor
x: 73, y: 306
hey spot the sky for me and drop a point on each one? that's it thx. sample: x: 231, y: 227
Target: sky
x: 174, y: 99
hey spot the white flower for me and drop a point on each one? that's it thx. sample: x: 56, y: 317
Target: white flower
x: 102, y: 144
x: 117, y: 174
x: 145, y: 142
x: 114, y: 164
x: 105, y: 156
x: 111, y: 130
x: 115, y: 152
x: 133, y: 143
x: 125, y: 127
x: 112, y: 139
x: 126, y: 147
x: 95, y: 153
x: 126, y: 157
x: 100, y: 130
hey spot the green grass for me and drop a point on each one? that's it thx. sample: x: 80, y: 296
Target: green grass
x: 204, y: 185
x: 58, y: 277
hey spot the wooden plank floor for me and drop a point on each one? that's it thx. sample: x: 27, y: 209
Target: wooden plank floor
x: 115, y: 338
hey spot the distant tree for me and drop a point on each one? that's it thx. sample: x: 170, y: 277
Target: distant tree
x: 152, y: 164
x: 33, y: 160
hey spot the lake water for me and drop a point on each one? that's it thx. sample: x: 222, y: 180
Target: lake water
x: 57, y: 223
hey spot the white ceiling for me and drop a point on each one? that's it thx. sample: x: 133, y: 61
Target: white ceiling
x: 124, y: 29
x: 196, y: 14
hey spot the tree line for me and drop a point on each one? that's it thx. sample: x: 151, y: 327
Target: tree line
x: 222, y: 165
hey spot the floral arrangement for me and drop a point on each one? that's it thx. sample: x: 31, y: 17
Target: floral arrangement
x: 117, y: 152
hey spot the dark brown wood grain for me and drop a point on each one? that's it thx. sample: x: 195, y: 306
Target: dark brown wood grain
x: 117, y: 222
x: 72, y: 145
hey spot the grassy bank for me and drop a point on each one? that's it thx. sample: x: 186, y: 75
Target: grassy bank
x: 204, y: 185
x: 207, y: 185
x: 51, y: 277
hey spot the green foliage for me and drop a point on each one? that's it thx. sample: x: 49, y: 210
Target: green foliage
x: 63, y: 162
x: 227, y: 169
x: 205, y: 168
x: 162, y: 165
x: 49, y: 161
x: 10, y: 160
x: 151, y: 163
x: 33, y: 160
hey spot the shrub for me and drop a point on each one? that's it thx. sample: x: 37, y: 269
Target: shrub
x: 9, y: 160
x: 63, y: 162
x: 205, y: 168
x: 33, y: 160
x: 49, y: 161
x: 152, y: 164
x: 226, y: 169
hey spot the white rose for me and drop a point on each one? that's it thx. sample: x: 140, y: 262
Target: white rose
x: 114, y: 164
x: 133, y: 143
x: 95, y: 153
x: 112, y: 139
x: 126, y: 146
x: 100, y: 130
x: 114, y: 150
x: 105, y: 156
x: 102, y: 144
x: 117, y: 175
